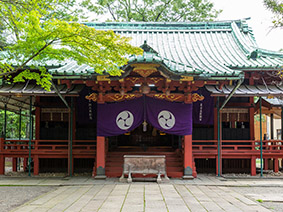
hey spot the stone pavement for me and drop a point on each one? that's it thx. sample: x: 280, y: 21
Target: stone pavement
x: 206, y: 193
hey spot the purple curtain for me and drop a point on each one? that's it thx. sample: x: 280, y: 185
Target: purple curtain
x: 120, y: 117
x: 169, y: 117
x: 203, y: 111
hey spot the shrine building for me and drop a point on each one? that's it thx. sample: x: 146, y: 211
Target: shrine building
x: 192, y: 96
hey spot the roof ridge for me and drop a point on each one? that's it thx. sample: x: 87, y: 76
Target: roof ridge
x: 163, y: 25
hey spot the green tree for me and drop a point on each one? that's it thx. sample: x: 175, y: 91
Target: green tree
x: 39, y: 31
x: 12, y: 126
x: 157, y: 10
x: 276, y: 7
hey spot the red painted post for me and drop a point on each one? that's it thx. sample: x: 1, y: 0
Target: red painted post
x: 2, y: 165
x: 1, y: 144
x: 100, y: 158
x: 276, y: 164
x: 35, y: 165
x: 14, y: 164
x: 188, y: 157
x: 2, y: 158
x: 253, y: 166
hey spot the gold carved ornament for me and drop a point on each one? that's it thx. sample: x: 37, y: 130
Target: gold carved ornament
x: 170, y: 97
x: 133, y: 80
x: 196, y: 97
x: 92, y: 97
x: 155, y: 80
x: 119, y: 97
x: 113, y: 97
x: 145, y: 70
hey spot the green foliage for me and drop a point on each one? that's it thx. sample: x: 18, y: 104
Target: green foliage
x: 12, y: 130
x: 156, y: 10
x: 40, y: 31
x: 276, y: 7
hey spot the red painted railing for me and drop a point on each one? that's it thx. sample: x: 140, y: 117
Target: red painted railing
x: 237, y: 148
x: 201, y: 148
x: 47, y: 146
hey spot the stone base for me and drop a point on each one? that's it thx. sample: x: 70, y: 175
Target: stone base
x: 100, y: 177
x: 188, y: 177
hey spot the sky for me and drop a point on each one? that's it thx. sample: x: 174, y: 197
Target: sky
x: 260, y: 22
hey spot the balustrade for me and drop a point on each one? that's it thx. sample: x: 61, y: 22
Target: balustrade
x: 10, y: 146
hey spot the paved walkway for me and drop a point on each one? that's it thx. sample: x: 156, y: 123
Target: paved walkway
x: 206, y: 193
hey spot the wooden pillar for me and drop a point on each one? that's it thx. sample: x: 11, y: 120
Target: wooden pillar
x: 219, y: 139
x: 35, y: 165
x: 30, y: 136
x: 276, y: 164
x: 260, y: 132
x: 253, y: 166
x: 100, y: 158
x: 188, y: 157
x: 251, y: 110
x: 14, y: 164
x: 2, y: 165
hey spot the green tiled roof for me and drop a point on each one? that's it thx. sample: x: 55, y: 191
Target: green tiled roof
x: 208, y: 49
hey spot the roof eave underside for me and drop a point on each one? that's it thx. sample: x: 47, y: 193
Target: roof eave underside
x: 17, y: 96
x: 246, y: 90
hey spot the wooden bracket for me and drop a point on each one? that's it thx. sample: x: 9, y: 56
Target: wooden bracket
x: 103, y: 78
x: 187, y: 78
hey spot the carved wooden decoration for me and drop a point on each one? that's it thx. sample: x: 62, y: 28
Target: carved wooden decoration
x: 170, y: 97
x: 145, y: 70
x: 103, y: 78
x: 196, y: 97
x: 113, y: 97
x: 116, y: 97
x: 187, y: 78
x: 119, y: 97
x: 92, y: 97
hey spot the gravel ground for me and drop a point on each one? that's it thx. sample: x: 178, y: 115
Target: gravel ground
x: 14, y: 196
x: 263, y: 194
